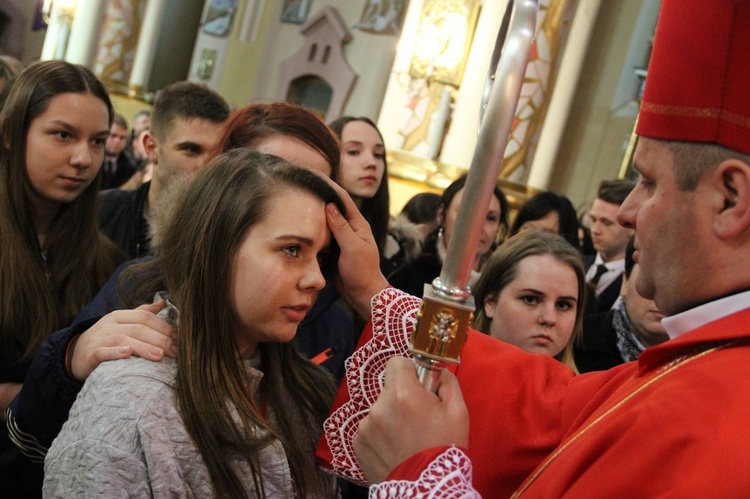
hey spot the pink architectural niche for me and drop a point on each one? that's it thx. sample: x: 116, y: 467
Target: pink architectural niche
x: 317, y: 76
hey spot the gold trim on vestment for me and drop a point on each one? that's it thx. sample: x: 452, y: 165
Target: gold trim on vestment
x: 663, y: 371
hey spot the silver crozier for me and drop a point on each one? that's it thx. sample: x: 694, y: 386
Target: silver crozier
x: 447, y: 308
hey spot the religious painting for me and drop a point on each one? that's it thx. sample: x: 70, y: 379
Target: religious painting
x: 382, y: 16
x: 218, y: 18
x: 295, y: 11
x: 553, y: 25
x: 443, y: 41
x: 118, y: 41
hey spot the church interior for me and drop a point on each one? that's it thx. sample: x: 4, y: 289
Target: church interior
x: 418, y: 68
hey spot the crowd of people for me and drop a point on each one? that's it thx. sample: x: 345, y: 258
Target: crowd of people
x: 200, y: 332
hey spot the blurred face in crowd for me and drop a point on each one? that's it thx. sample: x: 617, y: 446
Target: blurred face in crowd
x: 643, y: 313
x: 117, y: 140
x: 549, y: 222
x: 537, y: 310
x: 609, y: 237
x: 489, y: 228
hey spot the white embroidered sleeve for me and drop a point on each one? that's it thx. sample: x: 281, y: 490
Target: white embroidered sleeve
x: 393, y: 315
x: 447, y: 477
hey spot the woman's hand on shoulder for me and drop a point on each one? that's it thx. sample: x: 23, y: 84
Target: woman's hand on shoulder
x: 118, y: 335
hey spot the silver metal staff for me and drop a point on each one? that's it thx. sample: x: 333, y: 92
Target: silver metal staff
x: 447, y: 307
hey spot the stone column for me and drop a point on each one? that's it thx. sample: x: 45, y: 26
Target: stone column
x: 144, y: 54
x: 58, y: 31
x: 462, y: 136
x: 543, y: 165
x: 49, y: 49
x: 84, y: 35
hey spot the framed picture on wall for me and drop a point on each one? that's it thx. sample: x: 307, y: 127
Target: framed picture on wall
x: 218, y: 17
x: 295, y: 11
x: 382, y: 17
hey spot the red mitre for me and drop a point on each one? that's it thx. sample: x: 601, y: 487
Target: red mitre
x: 698, y: 83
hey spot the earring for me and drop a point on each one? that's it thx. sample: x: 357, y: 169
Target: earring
x: 440, y: 237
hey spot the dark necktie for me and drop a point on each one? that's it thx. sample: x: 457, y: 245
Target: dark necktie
x: 110, y: 166
x: 601, y: 269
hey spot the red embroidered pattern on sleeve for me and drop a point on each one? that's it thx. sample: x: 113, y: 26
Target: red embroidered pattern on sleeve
x: 393, y: 315
x: 447, y: 477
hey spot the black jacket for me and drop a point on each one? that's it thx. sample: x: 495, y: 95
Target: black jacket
x: 121, y: 219
x: 127, y: 165
x: 610, y: 294
x: 596, y: 350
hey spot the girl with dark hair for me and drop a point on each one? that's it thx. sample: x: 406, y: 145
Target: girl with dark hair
x: 239, y: 411
x: 53, y: 258
x: 364, y: 175
x: 298, y: 135
x: 531, y: 294
x: 548, y: 211
x: 364, y: 171
x: 412, y: 277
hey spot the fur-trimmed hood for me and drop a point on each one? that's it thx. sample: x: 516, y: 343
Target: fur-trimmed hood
x: 403, y: 244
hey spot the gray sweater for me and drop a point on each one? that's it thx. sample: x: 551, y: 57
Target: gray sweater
x: 125, y: 438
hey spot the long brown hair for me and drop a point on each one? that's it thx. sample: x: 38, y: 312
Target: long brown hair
x: 502, y: 269
x: 194, y: 259
x: 44, y: 286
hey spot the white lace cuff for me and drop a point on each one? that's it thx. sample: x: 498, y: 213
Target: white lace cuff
x: 447, y: 477
x: 393, y: 316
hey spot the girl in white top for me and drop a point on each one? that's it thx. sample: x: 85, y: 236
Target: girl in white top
x: 239, y: 412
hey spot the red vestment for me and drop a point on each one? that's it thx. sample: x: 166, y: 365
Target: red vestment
x: 672, y: 423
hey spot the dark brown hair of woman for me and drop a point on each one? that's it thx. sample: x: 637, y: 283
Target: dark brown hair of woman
x: 212, y: 217
x: 43, y: 286
x: 376, y: 209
